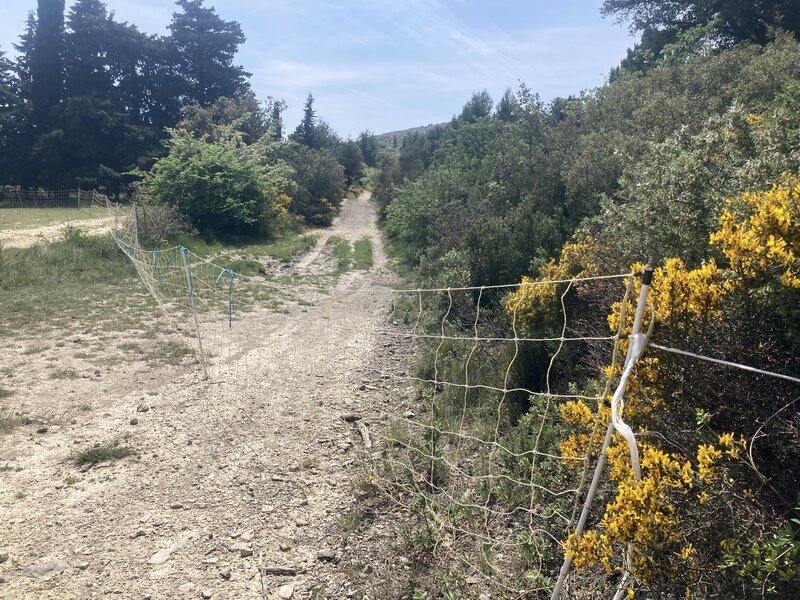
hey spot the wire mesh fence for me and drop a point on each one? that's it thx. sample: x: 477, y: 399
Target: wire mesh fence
x: 47, y: 199
x: 485, y: 468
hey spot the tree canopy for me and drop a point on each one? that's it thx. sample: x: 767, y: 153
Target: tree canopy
x: 733, y: 20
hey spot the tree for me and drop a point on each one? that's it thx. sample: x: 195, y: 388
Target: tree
x: 368, y: 144
x: 87, y: 50
x: 505, y: 107
x: 349, y: 156
x: 306, y: 131
x: 206, y: 46
x: 8, y: 95
x: 734, y: 20
x: 320, y: 182
x: 276, y: 119
x: 242, y: 113
x: 47, y: 63
x: 479, y: 106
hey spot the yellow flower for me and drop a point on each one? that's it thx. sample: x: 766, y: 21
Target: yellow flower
x: 754, y: 120
x: 764, y: 236
x: 686, y: 552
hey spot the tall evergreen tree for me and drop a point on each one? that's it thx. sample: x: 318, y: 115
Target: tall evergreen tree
x: 206, y: 46
x: 47, y: 63
x: 276, y: 119
x: 24, y: 50
x: 8, y: 96
x: 87, y: 56
x: 505, y: 107
x: 306, y: 131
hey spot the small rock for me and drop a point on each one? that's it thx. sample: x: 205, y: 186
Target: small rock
x: 3, y: 556
x: 484, y: 597
x: 42, y: 429
x: 284, y: 547
x: 176, y: 505
x: 247, y: 536
x: 206, y: 594
x: 160, y: 557
x: 186, y: 587
x: 82, y: 566
x: 286, y: 591
x: 350, y: 418
x: 409, y: 414
x: 243, y: 549
x: 45, y: 567
x: 225, y: 573
x: 326, y: 555
x: 142, y: 408
x: 134, y: 421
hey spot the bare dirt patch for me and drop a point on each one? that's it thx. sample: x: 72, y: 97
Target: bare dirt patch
x: 24, y: 238
x: 220, y: 483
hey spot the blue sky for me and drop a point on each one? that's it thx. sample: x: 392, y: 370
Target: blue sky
x: 385, y: 65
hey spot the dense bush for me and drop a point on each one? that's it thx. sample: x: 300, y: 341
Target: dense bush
x: 222, y: 186
x: 319, y: 182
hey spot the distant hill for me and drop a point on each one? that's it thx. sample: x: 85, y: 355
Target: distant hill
x: 394, y: 139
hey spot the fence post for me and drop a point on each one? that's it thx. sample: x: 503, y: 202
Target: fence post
x: 647, y: 279
x: 190, y: 285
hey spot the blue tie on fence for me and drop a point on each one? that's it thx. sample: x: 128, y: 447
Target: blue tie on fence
x: 231, y: 274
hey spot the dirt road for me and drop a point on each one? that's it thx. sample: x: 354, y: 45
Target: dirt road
x: 226, y: 476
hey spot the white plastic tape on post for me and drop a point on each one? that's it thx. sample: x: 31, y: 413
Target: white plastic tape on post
x: 637, y: 344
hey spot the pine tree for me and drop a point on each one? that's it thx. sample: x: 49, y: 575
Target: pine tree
x: 87, y: 57
x: 306, y: 131
x: 276, y: 119
x: 206, y: 46
x: 47, y: 63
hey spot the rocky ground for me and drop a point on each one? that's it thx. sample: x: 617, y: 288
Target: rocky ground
x: 245, y: 487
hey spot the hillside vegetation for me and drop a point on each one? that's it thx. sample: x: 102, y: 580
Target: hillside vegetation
x: 690, y: 162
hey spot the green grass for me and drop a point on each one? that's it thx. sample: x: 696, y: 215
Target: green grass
x: 362, y: 254
x: 27, y: 218
x: 9, y: 419
x: 93, y: 456
x: 5, y: 393
x: 59, y: 284
x: 283, y: 249
x: 342, y: 251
